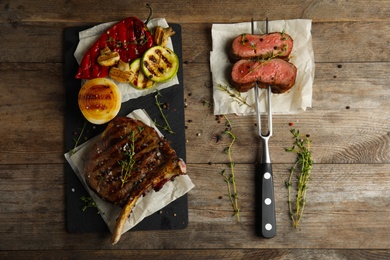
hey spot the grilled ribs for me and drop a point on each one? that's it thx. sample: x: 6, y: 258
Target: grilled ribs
x: 128, y: 160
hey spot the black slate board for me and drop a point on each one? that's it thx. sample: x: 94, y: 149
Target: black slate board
x: 173, y: 216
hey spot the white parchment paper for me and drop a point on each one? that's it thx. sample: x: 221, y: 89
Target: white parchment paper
x: 297, y: 99
x: 146, y: 205
x: 89, y: 36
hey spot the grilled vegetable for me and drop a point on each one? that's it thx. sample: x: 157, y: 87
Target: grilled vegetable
x: 130, y: 38
x: 108, y: 58
x: 99, y: 100
x: 121, y: 73
x: 161, y: 35
x: 138, y: 78
x: 159, y: 64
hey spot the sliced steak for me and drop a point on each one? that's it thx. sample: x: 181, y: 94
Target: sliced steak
x: 262, y: 46
x: 278, y: 73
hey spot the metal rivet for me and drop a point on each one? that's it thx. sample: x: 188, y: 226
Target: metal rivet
x: 268, y: 226
x: 267, y: 175
x: 267, y: 201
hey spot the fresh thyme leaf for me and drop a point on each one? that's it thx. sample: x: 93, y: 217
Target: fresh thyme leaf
x: 234, y: 94
x: 89, y: 203
x: 140, y: 128
x: 301, y: 169
x: 77, y: 141
x: 230, y: 179
x: 243, y: 39
x: 167, y: 127
x: 128, y: 163
x: 205, y: 102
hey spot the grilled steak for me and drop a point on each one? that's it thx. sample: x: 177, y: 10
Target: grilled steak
x: 278, y: 73
x: 128, y: 160
x: 262, y: 46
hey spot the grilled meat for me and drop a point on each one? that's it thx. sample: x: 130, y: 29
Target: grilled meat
x: 262, y: 46
x: 278, y: 73
x: 128, y: 160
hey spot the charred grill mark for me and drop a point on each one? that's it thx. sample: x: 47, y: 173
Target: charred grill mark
x: 145, y: 82
x: 165, y: 61
x: 149, y: 67
x: 159, y: 63
x: 154, y: 159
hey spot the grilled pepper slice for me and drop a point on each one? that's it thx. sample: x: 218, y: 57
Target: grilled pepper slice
x: 129, y: 37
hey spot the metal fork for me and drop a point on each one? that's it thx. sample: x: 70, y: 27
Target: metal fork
x: 264, y: 195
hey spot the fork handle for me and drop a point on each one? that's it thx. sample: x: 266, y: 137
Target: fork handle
x: 265, y: 201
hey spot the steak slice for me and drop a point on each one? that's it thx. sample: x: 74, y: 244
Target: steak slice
x: 262, y: 46
x: 128, y: 160
x: 278, y: 73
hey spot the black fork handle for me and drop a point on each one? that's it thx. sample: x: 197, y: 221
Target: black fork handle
x: 265, y: 201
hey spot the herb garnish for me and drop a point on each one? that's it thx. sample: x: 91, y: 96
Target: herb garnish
x: 128, y: 163
x: 89, y: 203
x: 234, y: 94
x: 77, y: 141
x: 302, y: 166
x: 230, y: 179
x: 167, y: 127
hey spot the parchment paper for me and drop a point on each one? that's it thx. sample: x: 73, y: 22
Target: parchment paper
x: 146, y: 205
x: 90, y: 36
x: 297, y: 99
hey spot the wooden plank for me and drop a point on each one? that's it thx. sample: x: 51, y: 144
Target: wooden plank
x: 202, y: 11
x: 339, y: 134
x: 347, y: 207
x: 332, y: 42
x: 34, y: 111
x: 228, y: 253
x: 337, y: 137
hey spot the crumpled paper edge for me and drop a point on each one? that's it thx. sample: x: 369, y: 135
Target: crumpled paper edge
x: 298, y: 99
x: 146, y: 205
x: 89, y: 36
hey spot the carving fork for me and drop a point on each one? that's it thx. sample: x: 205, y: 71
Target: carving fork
x: 264, y: 190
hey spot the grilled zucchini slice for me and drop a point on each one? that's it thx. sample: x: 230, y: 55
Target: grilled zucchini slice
x: 160, y: 64
x: 138, y: 78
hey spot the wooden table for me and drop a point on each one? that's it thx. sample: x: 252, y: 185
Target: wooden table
x: 347, y: 215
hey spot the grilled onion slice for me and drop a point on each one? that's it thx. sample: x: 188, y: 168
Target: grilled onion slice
x: 138, y: 78
x: 99, y: 100
x: 160, y: 64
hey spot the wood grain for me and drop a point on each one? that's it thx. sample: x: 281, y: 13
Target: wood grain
x: 347, y: 213
x: 346, y: 205
x: 332, y: 42
x: 339, y: 134
x: 228, y: 253
x: 199, y: 12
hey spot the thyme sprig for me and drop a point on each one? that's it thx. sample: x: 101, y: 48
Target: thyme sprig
x: 167, y: 127
x: 230, y: 179
x: 234, y: 94
x: 89, y: 203
x: 77, y: 141
x: 127, y: 164
x: 207, y: 103
x: 301, y: 169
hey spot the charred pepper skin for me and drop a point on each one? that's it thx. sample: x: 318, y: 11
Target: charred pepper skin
x: 129, y: 37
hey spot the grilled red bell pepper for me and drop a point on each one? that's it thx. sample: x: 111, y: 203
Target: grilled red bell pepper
x: 129, y: 37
